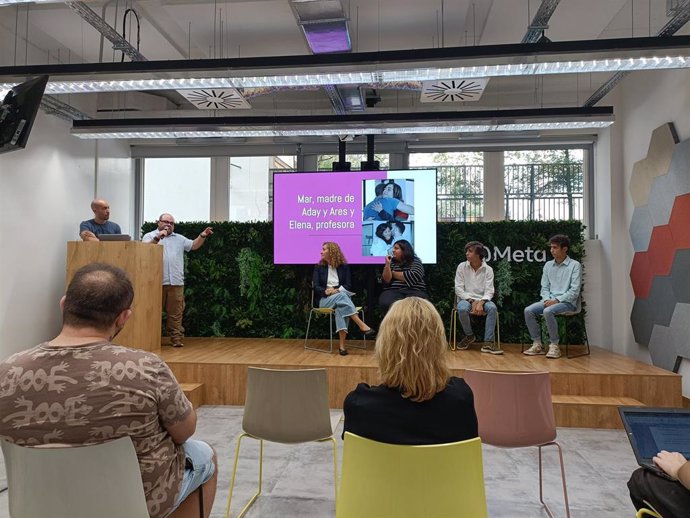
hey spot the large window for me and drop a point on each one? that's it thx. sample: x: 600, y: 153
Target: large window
x: 459, y: 184
x: 251, y: 186
x: 543, y: 185
x: 180, y: 186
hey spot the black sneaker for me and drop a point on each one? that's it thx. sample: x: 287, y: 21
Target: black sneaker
x: 342, y: 352
x: 466, y: 342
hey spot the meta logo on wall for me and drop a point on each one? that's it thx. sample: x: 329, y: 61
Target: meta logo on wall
x: 660, y: 233
x: 516, y: 256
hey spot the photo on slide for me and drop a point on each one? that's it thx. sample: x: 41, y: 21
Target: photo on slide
x: 388, y: 200
x: 378, y: 237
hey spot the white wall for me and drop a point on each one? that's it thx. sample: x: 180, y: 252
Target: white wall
x: 45, y: 191
x: 642, y: 102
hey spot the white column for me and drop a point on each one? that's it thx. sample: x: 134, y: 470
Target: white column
x: 494, y: 186
x: 220, y: 189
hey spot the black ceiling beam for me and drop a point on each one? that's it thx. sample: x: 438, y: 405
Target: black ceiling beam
x: 419, y: 117
x: 358, y: 58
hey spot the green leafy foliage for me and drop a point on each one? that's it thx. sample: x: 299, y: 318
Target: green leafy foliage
x: 234, y: 289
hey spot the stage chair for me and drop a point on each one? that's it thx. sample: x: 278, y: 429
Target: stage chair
x: 75, y: 481
x: 452, y: 333
x: 566, y: 337
x: 316, y: 310
x: 284, y: 406
x: 396, y: 481
x: 515, y: 410
x: 647, y: 512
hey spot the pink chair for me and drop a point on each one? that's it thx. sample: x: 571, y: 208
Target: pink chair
x: 515, y: 410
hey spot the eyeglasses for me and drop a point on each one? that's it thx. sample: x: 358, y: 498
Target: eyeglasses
x: 167, y: 222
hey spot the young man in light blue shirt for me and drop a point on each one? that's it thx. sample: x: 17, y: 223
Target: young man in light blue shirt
x: 560, y: 288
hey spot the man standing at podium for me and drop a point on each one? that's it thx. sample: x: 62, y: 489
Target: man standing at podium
x: 174, y: 247
x: 100, y: 224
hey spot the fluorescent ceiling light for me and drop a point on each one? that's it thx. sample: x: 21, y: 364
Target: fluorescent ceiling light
x: 174, y: 134
x: 12, y: 2
x: 373, y: 79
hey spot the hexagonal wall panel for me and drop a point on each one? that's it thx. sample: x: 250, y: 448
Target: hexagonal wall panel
x: 661, y: 250
x: 668, y: 342
x: 641, y: 228
x: 656, y: 163
x: 679, y: 170
x: 680, y: 275
x: 679, y: 222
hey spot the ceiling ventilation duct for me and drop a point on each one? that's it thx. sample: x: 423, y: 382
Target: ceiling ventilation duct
x: 216, y: 99
x: 324, y: 24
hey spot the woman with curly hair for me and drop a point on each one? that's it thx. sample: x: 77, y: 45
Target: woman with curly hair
x: 403, y: 275
x: 331, y: 281
x: 418, y: 401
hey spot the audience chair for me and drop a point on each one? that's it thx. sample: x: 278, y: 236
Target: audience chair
x: 515, y: 410
x: 394, y: 481
x: 647, y: 512
x: 452, y: 333
x: 316, y: 310
x: 75, y: 481
x: 284, y: 406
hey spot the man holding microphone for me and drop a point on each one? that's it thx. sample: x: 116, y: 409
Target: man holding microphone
x: 174, y: 247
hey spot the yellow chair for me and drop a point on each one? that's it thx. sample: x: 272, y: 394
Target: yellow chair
x: 395, y: 481
x: 647, y: 512
x: 288, y: 407
x: 452, y: 333
x: 316, y: 310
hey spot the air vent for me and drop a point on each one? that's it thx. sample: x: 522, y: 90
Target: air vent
x: 453, y: 90
x: 216, y: 99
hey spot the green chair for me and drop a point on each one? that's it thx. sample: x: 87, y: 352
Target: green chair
x: 395, y: 481
x: 647, y: 512
x: 316, y: 310
x: 288, y: 407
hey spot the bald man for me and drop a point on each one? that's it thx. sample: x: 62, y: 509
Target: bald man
x: 100, y: 224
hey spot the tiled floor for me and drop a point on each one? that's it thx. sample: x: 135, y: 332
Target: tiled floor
x: 298, y: 480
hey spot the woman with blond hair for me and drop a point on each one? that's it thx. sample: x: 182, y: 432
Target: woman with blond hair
x: 418, y: 402
x: 331, y: 282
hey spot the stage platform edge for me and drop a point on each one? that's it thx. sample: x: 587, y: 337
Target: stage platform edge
x: 586, y: 390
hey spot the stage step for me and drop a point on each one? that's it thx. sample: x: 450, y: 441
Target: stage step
x: 194, y: 392
x: 590, y: 411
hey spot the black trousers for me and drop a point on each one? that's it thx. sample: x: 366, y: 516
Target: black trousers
x: 389, y: 296
x: 668, y: 497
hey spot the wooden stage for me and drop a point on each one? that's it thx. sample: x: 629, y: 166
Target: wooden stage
x: 586, y: 390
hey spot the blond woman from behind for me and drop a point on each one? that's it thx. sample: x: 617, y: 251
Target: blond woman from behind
x: 418, y: 401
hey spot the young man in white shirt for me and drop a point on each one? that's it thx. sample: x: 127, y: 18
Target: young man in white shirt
x: 474, y: 287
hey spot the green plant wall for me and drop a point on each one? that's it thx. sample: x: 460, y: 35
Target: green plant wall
x: 233, y: 288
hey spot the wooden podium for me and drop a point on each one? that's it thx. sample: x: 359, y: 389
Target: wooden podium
x: 144, y: 265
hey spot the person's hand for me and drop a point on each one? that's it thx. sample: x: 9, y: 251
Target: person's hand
x: 388, y: 262
x: 670, y: 462
x: 478, y: 308
x: 87, y: 235
x: 377, y: 206
x: 206, y: 232
x: 550, y: 302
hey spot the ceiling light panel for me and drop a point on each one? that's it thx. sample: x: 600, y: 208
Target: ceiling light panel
x: 376, y: 78
x: 482, y: 128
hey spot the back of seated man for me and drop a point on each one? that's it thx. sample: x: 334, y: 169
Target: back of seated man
x: 90, y: 229
x: 80, y: 388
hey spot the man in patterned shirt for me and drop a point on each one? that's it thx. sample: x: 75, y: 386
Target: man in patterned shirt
x: 80, y: 388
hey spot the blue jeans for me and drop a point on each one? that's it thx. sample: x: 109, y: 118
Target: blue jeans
x: 343, y: 306
x: 464, y: 308
x: 199, y: 468
x: 536, y: 309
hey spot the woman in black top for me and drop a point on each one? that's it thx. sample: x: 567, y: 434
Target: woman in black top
x: 419, y: 402
x: 331, y: 281
x: 403, y: 275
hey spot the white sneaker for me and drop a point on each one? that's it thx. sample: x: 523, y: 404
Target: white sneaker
x: 554, y: 351
x: 536, y: 349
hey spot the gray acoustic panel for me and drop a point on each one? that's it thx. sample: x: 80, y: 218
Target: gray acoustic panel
x: 680, y: 275
x: 661, y: 348
x: 664, y: 303
x: 679, y: 170
x: 642, y: 320
x: 680, y: 330
x: 656, y: 163
x: 661, y: 196
x: 641, y: 228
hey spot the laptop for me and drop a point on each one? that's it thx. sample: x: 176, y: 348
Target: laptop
x: 114, y: 237
x: 651, y: 430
